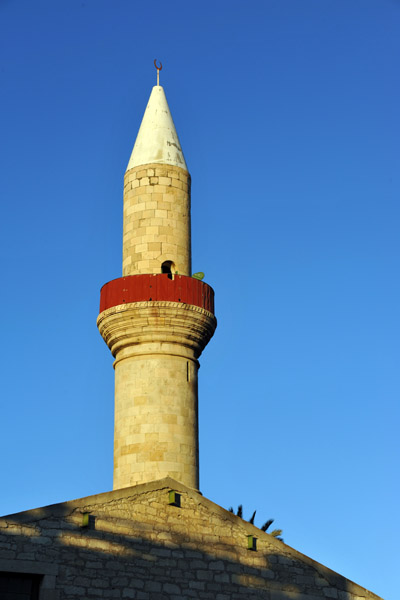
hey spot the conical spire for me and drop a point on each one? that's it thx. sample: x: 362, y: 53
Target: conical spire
x: 157, y: 140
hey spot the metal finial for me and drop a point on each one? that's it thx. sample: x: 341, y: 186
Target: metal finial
x: 158, y: 70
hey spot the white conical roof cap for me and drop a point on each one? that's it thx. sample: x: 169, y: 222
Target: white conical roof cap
x: 157, y: 140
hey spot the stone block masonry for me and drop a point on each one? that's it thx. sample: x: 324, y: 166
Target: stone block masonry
x: 156, y: 346
x: 137, y: 545
x: 156, y: 219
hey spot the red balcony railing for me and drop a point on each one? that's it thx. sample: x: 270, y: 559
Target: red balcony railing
x: 143, y: 288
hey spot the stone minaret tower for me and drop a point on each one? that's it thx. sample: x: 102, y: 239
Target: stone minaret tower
x: 156, y: 319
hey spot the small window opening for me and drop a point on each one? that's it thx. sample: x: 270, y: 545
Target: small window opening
x: 88, y: 520
x: 252, y: 543
x: 168, y: 267
x: 174, y: 499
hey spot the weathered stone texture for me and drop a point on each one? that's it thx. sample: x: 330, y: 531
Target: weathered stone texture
x: 139, y: 546
x: 156, y: 219
x: 156, y: 346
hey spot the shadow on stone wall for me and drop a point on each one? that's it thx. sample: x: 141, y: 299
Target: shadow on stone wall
x: 89, y: 562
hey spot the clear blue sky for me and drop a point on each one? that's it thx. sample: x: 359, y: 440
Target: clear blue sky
x: 288, y: 114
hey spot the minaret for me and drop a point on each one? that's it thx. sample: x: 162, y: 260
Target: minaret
x: 156, y: 319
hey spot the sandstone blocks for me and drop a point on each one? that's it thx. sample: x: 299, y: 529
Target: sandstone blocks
x: 156, y: 346
x: 156, y: 220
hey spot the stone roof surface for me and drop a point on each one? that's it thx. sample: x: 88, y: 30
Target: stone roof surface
x: 141, y: 546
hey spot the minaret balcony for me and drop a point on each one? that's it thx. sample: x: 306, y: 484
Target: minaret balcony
x: 157, y: 287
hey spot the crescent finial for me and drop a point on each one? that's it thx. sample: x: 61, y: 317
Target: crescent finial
x: 158, y: 70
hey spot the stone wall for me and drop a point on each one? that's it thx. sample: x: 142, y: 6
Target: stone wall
x: 132, y: 543
x: 156, y: 346
x: 156, y: 219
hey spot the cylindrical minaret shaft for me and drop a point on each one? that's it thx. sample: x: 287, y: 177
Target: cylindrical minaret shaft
x: 156, y: 319
x: 156, y: 220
